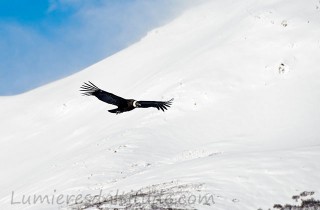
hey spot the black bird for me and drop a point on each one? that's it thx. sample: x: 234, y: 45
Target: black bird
x: 124, y: 105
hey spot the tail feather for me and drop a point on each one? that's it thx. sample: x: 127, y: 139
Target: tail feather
x: 116, y: 111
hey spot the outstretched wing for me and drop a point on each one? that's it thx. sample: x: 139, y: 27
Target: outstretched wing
x: 163, y: 105
x: 89, y: 89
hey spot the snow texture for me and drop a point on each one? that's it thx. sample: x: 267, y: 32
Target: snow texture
x: 244, y: 126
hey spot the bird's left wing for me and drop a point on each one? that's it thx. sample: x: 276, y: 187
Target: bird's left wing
x: 163, y: 105
x: 89, y: 89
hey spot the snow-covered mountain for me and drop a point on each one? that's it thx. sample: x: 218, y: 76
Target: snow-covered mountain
x: 244, y: 126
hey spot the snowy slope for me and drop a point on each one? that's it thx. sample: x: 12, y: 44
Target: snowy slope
x: 244, y: 125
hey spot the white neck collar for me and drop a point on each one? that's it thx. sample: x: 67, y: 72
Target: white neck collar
x: 134, y: 104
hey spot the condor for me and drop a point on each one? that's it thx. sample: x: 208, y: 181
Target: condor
x: 124, y: 105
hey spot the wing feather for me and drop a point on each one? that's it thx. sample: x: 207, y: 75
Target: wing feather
x: 163, y: 105
x: 89, y: 89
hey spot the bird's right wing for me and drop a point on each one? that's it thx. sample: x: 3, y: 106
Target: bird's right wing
x: 89, y: 89
x: 163, y: 105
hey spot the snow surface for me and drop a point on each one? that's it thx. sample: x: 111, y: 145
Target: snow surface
x: 244, y: 125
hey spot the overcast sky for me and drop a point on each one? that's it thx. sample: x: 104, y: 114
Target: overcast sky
x: 45, y: 40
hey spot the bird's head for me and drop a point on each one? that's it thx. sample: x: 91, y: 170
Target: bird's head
x: 136, y: 104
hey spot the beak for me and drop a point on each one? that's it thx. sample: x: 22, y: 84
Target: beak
x: 136, y: 104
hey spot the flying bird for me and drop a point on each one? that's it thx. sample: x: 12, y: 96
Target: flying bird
x: 124, y: 105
